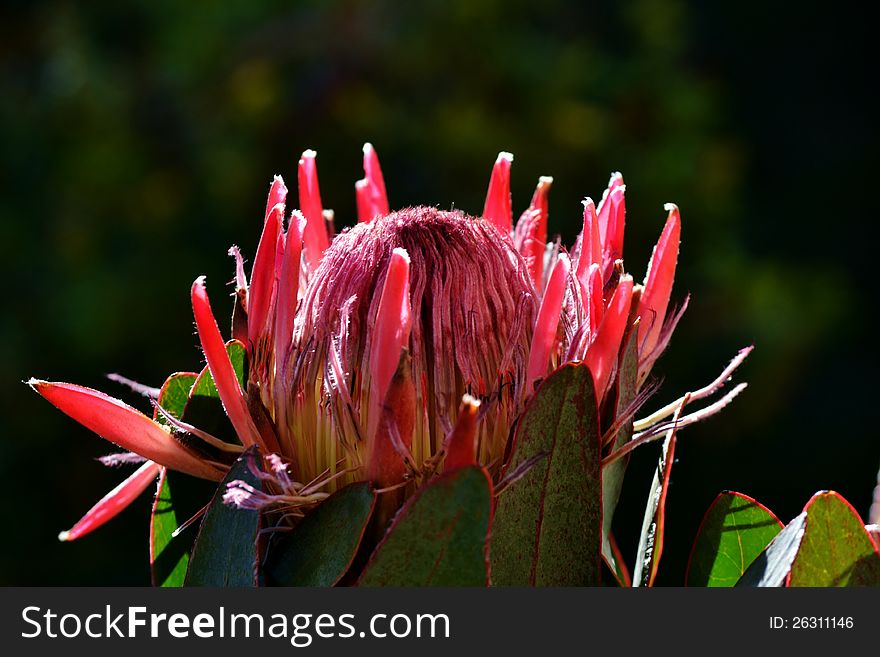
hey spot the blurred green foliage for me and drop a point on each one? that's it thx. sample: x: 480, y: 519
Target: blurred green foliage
x: 138, y: 139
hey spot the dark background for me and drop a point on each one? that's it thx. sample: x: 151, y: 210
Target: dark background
x: 137, y: 141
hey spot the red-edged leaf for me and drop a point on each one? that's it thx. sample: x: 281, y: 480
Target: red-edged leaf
x: 319, y: 551
x: 173, y: 395
x: 771, y: 567
x: 225, y: 551
x: 734, y: 531
x: 836, y: 550
x: 548, y: 525
x: 439, y: 537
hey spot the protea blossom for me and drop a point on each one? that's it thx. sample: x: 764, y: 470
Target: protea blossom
x: 406, y: 345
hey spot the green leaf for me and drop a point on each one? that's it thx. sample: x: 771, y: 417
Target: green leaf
x: 548, y: 525
x: 439, y: 537
x: 319, y: 551
x: 734, y: 531
x: 174, y: 395
x: 612, y: 474
x: 193, y: 398
x: 225, y: 551
x: 238, y: 355
x: 204, y: 409
x: 836, y: 549
x: 771, y: 567
x: 169, y: 555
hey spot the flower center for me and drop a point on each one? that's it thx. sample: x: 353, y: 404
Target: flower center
x: 473, y: 311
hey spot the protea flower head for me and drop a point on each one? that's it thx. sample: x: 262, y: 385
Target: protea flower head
x: 407, y: 344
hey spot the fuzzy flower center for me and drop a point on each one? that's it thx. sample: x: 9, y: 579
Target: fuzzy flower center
x: 473, y: 309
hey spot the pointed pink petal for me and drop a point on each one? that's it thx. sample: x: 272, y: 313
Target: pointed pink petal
x: 617, y: 222
x: 279, y: 249
x: 263, y: 276
x: 240, y: 277
x: 548, y: 321
x: 604, y: 209
x: 374, y: 174
x: 601, y: 357
x: 221, y: 367
x: 315, y: 240
x: 372, y: 200
x: 591, y: 244
x: 390, y: 332
x: 534, y: 242
x: 116, y: 421
x: 392, y: 393
x: 288, y: 284
x: 591, y: 295
x: 461, y: 444
x: 364, y: 206
x: 497, y: 209
x: 113, y: 502
x: 594, y: 304
x: 388, y: 448
x: 658, y: 281
x: 611, y: 216
x: 597, y: 303
x: 277, y: 194
x: 615, y: 181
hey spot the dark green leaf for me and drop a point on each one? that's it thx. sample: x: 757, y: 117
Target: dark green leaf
x: 771, y: 567
x: 734, y: 531
x: 321, y: 548
x: 836, y: 549
x: 548, y: 525
x: 612, y: 474
x: 225, y: 551
x: 439, y: 537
